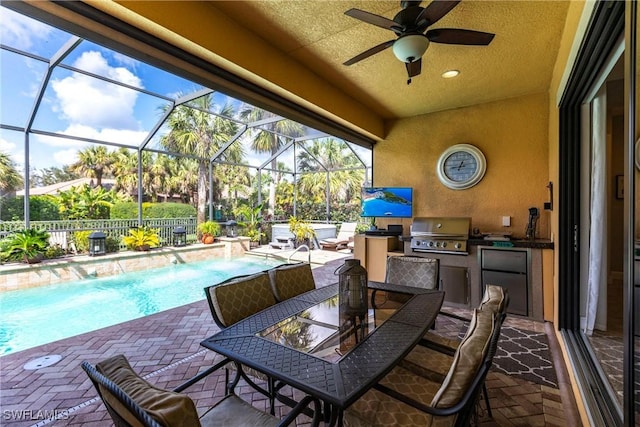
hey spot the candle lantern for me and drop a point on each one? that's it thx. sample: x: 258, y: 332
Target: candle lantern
x: 97, y: 243
x: 353, y: 287
x: 353, y: 299
x: 179, y: 236
x: 232, y: 227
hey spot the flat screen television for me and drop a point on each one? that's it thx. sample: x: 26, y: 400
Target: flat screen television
x: 387, y: 202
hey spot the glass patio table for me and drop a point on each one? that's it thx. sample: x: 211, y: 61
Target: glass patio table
x: 314, y: 344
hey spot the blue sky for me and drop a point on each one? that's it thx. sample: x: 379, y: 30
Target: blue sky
x: 74, y: 104
x: 78, y: 105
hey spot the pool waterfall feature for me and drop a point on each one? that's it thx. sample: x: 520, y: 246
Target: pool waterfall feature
x: 22, y: 276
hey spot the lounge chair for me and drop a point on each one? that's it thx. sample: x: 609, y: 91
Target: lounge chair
x: 345, y: 235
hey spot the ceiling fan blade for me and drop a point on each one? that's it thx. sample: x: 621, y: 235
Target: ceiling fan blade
x: 369, y: 52
x: 434, y: 12
x: 371, y: 18
x: 459, y: 36
x: 414, y: 68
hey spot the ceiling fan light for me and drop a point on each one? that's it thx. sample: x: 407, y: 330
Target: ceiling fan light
x: 411, y: 47
x: 450, y: 74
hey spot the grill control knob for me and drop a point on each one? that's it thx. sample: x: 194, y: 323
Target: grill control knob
x: 437, y: 244
x: 444, y: 244
x: 430, y: 243
x: 458, y: 245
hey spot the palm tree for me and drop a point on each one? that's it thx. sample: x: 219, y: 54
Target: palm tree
x: 10, y: 178
x: 197, y: 132
x: 268, y: 141
x: 94, y: 162
x: 346, y: 173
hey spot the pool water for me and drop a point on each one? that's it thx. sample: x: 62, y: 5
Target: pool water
x: 36, y: 316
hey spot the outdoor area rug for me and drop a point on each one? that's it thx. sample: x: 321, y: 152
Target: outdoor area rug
x: 525, y: 354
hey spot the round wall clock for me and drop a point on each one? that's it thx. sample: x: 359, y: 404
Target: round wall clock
x: 461, y: 166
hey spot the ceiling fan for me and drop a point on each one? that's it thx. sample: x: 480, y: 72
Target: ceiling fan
x: 410, y: 25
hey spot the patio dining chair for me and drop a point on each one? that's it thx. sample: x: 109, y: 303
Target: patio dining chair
x: 290, y: 280
x: 236, y: 299
x: 132, y: 401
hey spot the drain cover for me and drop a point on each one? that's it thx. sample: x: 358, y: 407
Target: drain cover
x: 42, y: 362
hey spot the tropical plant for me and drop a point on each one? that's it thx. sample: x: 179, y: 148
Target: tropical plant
x: 329, y: 156
x: 10, y: 178
x: 302, y: 230
x: 94, y: 162
x: 209, y: 230
x: 268, y: 140
x: 28, y: 245
x: 84, y: 202
x: 195, y: 131
x: 251, y: 219
x: 142, y: 238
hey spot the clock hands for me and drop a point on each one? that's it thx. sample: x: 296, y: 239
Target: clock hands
x: 461, y: 163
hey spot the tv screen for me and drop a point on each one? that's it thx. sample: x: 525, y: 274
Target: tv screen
x: 388, y: 202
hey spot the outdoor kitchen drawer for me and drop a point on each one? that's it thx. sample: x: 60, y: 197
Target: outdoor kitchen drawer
x: 508, y: 268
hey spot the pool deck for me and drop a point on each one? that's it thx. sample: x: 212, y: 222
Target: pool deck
x: 165, y: 348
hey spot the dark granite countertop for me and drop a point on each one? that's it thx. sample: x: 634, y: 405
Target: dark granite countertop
x: 514, y: 243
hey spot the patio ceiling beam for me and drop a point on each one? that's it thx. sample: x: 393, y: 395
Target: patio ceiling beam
x: 157, y: 126
x: 56, y: 59
x: 195, y: 95
x: 277, y: 153
x: 115, y: 82
x: 233, y: 139
x: 266, y: 121
x: 79, y: 138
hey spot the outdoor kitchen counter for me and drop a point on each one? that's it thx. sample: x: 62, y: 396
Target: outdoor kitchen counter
x: 516, y: 243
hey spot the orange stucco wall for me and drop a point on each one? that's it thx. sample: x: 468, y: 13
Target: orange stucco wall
x: 512, y: 134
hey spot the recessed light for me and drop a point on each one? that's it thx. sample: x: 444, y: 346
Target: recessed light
x: 450, y: 74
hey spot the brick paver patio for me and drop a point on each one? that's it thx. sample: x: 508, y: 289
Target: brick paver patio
x: 165, y: 348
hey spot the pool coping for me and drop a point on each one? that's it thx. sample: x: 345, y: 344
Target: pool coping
x: 77, y: 267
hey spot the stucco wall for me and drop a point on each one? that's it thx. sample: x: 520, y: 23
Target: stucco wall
x: 512, y: 134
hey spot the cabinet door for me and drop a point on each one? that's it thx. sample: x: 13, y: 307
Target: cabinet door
x: 514, y: 284
x: 455, y: 284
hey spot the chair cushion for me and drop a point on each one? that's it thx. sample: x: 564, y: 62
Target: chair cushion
x: 234, y: 411
x: 412, y: 271
x: 167, y: 407
x: 467, y: 360
x: 237, y: 299
x: 288, y: 281
x: 494, y: 299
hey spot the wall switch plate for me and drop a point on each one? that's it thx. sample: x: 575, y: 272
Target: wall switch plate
x: 506, y: 221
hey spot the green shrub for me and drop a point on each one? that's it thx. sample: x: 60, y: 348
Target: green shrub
x: 54, y: 251
x: 81, y: 240
x: 41, y: 208
x: 170, y: 210
x: 142, y: 236
x: 112, y: 245
x: 25, y: 245
x: 128, y: 210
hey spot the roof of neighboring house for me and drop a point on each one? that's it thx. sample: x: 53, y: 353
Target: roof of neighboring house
x: 54, y: 189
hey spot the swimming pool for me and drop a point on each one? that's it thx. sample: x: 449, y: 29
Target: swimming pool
x: 36, y: 316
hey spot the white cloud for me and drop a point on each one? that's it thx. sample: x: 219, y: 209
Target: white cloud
x: 15, y: 153
x: 65, y: 157
x: 19, y: 31
x: 92, y: 102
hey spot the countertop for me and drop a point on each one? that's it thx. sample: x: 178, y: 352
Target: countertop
x: 514, y: 243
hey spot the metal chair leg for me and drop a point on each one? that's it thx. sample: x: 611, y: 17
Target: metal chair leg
x: 486, y: 400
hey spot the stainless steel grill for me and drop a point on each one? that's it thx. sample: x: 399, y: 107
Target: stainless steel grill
x: 440, y: 234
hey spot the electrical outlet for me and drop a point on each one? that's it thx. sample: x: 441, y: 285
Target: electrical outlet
x: 506, y: 221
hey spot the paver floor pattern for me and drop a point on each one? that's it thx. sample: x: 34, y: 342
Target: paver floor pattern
x: 165, y: 348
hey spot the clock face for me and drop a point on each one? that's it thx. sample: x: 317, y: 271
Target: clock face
x: 461, y: 166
